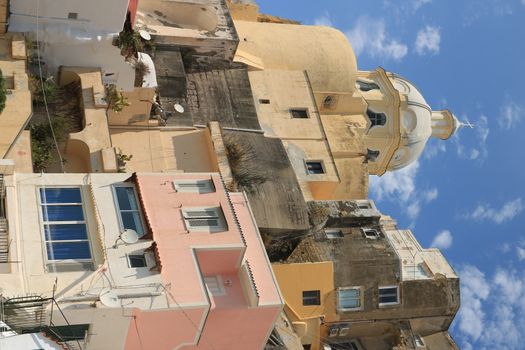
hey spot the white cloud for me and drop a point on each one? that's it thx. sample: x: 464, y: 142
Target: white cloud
x: 428, y: 40
x: 511, y: 115
x: 434, y: 147
x: 520, y: 251
x: 443, y: 240
x: 418, y: 3
x: 324, y: 20
x: 478, y: 9
x: 479, y: 150
x: 474, y: 290
x: 400, y: 187
x: 430, y: 195
x: 369, y: 36
x: 507, y: 212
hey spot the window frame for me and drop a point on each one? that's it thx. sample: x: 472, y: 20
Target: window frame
x: 44, y: 222
x: 375, y: 117
x: 333, y: 233
x: 219, y: 215
x: 208, y: 186
x: 321, y: 163
x: 221, y: 290
x: 72, y: 15
x: 299, y: 109
x: 366, y: 229
x: 139, y: 208
x: 389, y: 303
x: 316, y: 298
x: 360, y: 298
x: 371, y: 85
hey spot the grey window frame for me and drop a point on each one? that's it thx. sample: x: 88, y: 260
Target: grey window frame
x: 389, y: 303
x: 316, y: 298
x: 119, y: 211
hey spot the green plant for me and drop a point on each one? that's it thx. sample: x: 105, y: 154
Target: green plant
x: 42, y: 142
x: 45, y: 86
x: 122, y: 160
x: 115, y: 99
x: 3, y: 92
x: 129, y: 42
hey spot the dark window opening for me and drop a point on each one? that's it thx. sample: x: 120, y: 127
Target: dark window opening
x: 314, y: 168
x: 376, y: 118
x: 137, y: 260
x: 366, y: 86
x: 264, y: 101
x: 371, y: 233
x: 72, y: 15
x: 328, y: 101
x: 388, y: 295
x: 71, y: 332
x: 299, y: 113
x: 371, y: 155
x: 311, y: 297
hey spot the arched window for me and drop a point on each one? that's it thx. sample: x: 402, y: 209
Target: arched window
x: 367, y: 86
x: 327, y: 102
x: 371, y: 155
x: 376, y: 118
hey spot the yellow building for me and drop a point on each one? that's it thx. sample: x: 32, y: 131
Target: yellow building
x: 338, y: 124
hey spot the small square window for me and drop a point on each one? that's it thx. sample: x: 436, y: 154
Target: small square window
x: 264, y: 101
x: 205, y: 219
x: 419, y: 341
x: 194, y: 186
x: 370, y: 233
x: 388, y: 295
x: 314, y: 167
x: 349, y: 298
x: 333, y: 234
x: 363, y: 205
x: 72, y: 15
x: 333, y: 331
x: 311, y: 297
x: 301, y: 113
x: 137, y: 260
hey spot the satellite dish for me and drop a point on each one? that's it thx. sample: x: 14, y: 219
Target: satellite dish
x: 129, y: 236
x: 144, y: 35
x: 179, y: 108
x: 108, y: 298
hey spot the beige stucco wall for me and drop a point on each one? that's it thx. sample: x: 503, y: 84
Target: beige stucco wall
x: 164, y: 149
x: 137, y: 112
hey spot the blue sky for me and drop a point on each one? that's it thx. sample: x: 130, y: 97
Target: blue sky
x: 465, y: 195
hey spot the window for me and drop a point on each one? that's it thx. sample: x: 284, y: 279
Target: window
x: 71, y: 332
x: 65, y: 230
x: 264, y: 101
x: 299, y: 113
x: 363, y: 205
x: 72, y: 15
x: 314, y: 167
x: 344, y: 331
x: 367, y: 86
x: 333, y: 331
x: 376, y: 119
x: 130, y: 216
x: 371, y: 155
x: 311, y: 297
x: 418, y: 340
x: 204, y: 219
x: 388, y: 295
x: 194, y: 186
x: 349, y: 298
x: 328, y: 102
x: 333, y: 234
x: 415, y: 272
x: 137, y: 260
x: 370, y: 233
x: 214, y: 285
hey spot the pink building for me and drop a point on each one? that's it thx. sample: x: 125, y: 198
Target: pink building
x: 221, y: 285
x: 149, y: 261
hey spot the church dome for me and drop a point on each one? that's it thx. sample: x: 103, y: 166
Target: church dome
x: 418, y: 123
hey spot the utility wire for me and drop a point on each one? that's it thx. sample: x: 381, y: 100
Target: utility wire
x: 42, y: 85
